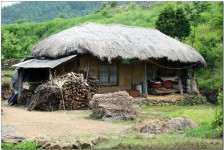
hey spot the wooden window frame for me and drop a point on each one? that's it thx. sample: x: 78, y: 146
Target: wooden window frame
x: 109, y: 73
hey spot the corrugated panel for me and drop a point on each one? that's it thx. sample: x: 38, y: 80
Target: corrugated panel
x: 43, y: 63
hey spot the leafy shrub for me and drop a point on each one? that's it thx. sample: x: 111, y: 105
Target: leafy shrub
x: 218, y: 122
x: 106, y: 14
x: 193, y: 100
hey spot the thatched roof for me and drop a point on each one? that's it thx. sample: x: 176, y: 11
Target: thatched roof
x: 114, y: 40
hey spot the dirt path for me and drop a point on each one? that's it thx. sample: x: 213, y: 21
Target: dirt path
x: 63, y: 124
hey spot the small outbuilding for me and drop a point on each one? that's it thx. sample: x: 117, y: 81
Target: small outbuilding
x: 122, y: 57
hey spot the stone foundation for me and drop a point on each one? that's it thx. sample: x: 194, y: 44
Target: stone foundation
x: 174, y: 99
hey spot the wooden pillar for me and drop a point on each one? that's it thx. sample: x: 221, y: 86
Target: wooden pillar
x: 20, y: 76
x: 145, y: 80
x: 179, y: 82
x: 50, y: 74
x: 132, y: 77
x: 87, y: 73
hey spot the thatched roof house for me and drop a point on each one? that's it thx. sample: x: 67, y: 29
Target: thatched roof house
x: 113, y: 41
x: 120, y: 56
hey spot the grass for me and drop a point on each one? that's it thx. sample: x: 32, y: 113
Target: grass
x: 203, y: 115
x: 134, y: 140
x: 199, y: 137
x: 6, y: 79
x: 20, y: 145
x: 204, y: 129
x: 7, y: 71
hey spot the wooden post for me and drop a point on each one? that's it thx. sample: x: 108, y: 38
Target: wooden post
x: 50, y: 74
x: 87, y: 73
x: 20, y: 76
x: 179, y: 82
x: 145, y: 80
x: 132, y: 77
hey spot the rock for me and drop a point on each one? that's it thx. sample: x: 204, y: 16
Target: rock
x: 84, y: 144
x: 76, y: 146
x: 45, y: 145
x: 145, y: 102
x: 147, y: 136
x: 166, y: 104
x: 99, y: 140
x: 67, y: 146
x: 8, y: 140
x: 40, y: 141
x: 54, y: 146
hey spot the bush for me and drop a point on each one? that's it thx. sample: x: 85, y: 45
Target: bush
x: 106, y: 14
x: 218, y: 122
x: 193, y: 100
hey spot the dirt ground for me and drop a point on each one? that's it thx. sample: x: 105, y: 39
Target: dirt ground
x: 65, y: 125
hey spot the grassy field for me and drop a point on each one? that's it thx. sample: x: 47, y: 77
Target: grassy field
x: 203, y: 136
x: 20, y: 145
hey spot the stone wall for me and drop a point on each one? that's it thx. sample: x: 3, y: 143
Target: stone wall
x: 186, y: 99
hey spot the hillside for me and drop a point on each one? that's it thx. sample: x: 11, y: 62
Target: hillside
x: 49, y: 10
x: 18, y: 38
x: 43, y: 11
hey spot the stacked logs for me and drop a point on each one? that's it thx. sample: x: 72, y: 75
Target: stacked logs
x: 67, y: 92
x: 75, y: 92
x: 6, y: 91
x: 94, y: 85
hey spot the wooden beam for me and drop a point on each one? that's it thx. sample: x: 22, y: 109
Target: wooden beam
x: 132, y: 77
x: 180, y: 82
x: 20, y: 76
x: 87, y: 73
x: 145, y: 79
x: 50, y: 74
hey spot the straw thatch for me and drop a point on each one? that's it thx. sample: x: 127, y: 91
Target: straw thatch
x: 113, y: 40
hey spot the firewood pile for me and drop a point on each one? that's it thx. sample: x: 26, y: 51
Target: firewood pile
x: 6, y: 91
x: 75, y: 91
x: 94, y: 85
x: 25, y: 97
x: 46, y: 98
x: 67, y: 92
x: 114, y: 106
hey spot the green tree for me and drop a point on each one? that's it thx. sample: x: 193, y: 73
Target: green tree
x: 194, y: 14
x: 173, y: 23
x: 113, y: 4
x: 166, y: 21
x: 183, y: 27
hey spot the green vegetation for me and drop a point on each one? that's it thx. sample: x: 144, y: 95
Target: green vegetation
x: 20, y: 145
x: 134, y: 140
x: 45, y: 11
x: 199, y: 137
x: 206, y: 31
x: 173, y: 23
x: 218, y: 123
x: 204, y: 129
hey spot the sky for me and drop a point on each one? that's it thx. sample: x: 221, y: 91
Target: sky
x: 8, y: 3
